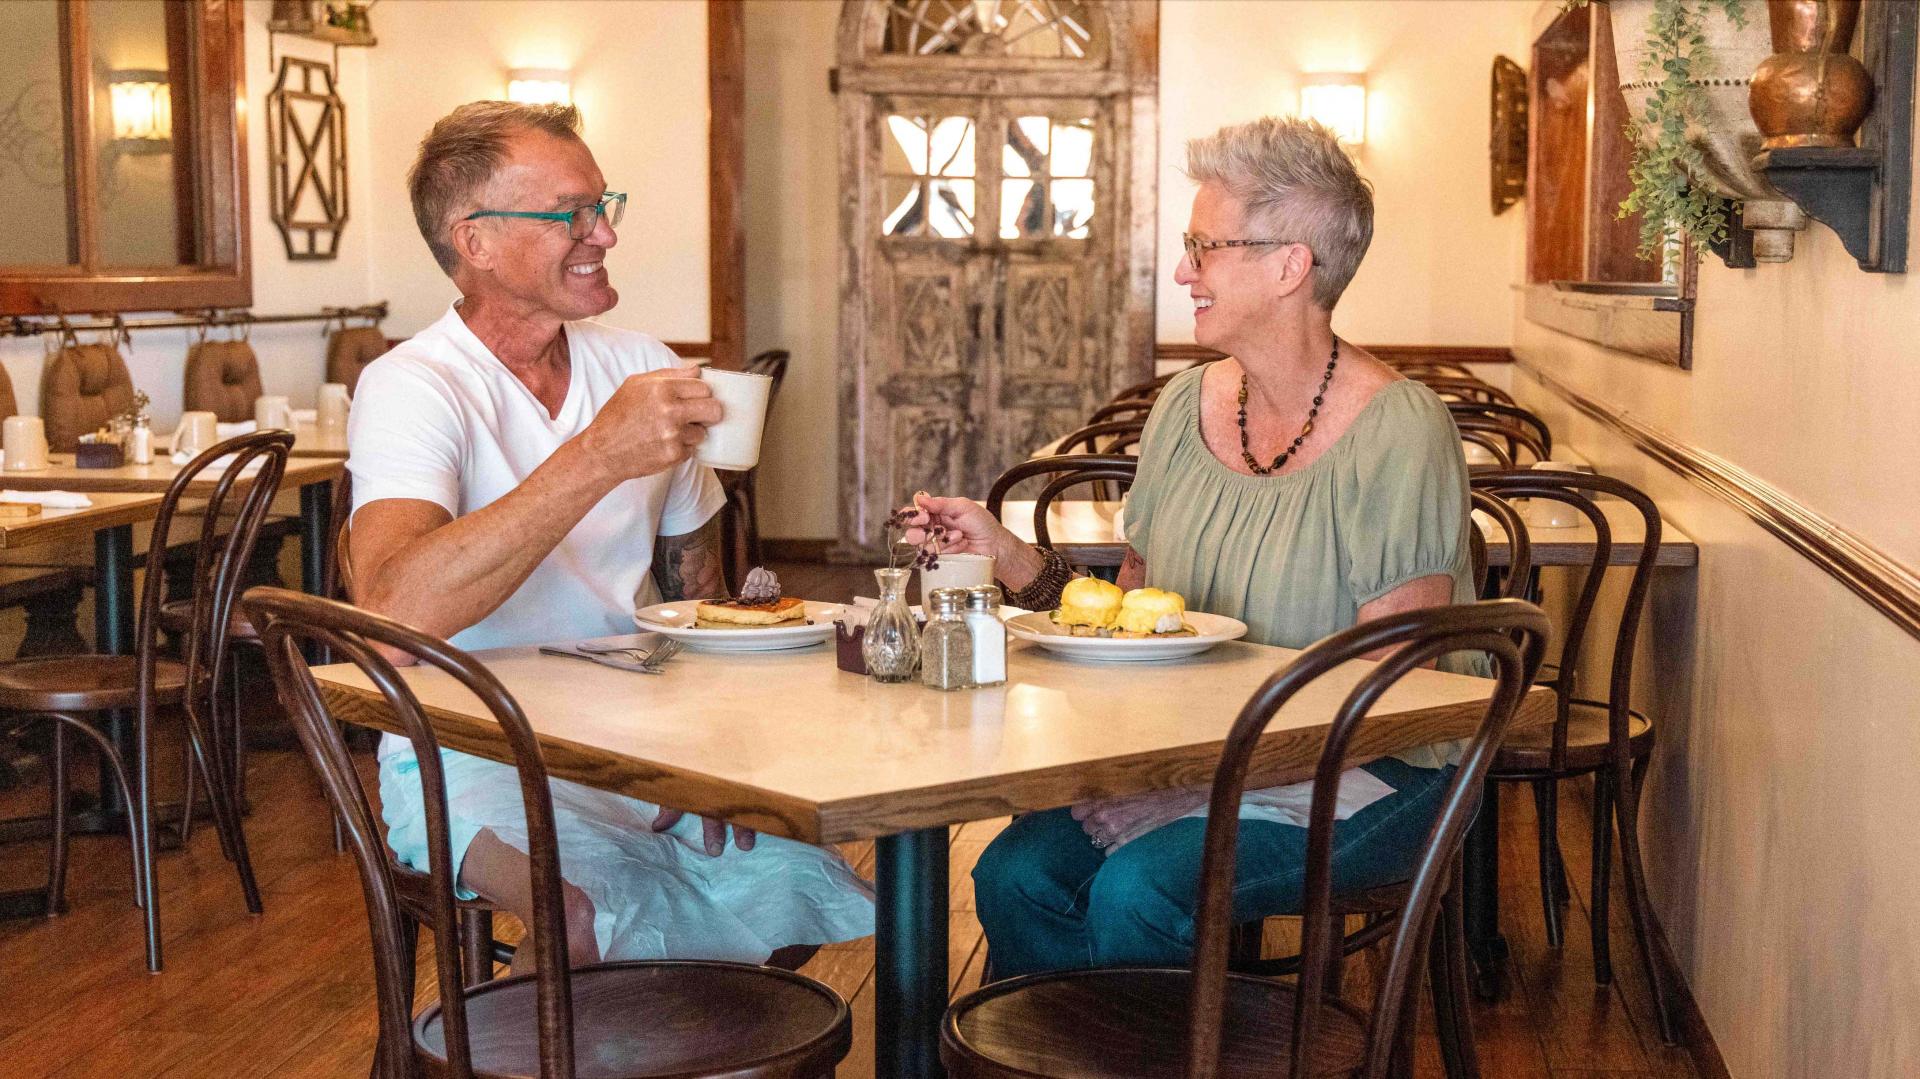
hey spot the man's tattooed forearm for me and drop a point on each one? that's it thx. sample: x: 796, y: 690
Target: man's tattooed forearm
x: 689, y: 566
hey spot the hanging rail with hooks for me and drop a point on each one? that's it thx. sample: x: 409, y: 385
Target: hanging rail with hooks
x: 35, y: 325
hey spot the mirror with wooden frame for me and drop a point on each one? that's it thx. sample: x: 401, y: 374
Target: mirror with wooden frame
x: 122, y: 157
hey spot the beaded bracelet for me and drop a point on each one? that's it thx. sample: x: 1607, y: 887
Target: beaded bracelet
x: 1043, y: 592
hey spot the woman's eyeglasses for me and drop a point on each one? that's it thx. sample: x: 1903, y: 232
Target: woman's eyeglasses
x: 580, y: 223
x: 1195, y: 245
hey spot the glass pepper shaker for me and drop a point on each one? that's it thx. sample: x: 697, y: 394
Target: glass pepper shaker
x: 989, y: 635
x: 946, y: 645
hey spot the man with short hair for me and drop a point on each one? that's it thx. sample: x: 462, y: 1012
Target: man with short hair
x: 522, y: 474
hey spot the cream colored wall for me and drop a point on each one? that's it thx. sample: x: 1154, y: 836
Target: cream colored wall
x: 640, y: 79
x: 793, y: 255
x: 1436, y: 246
x: 1436, y: 243
x: 1778, y: 812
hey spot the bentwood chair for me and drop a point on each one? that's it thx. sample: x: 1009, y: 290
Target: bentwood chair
x: 1062, y: 473
x: 1607, y: 739
x: 1494, y: 449
x: 65, y: 688
x: 474, y: 921
x: 1511, y: 435
x: 1147, y: 390
x: 1210, y: 1022
x: 1107, y: 436
x: 1432, y: 368
x: 1513, y: 583
x: 665, y: 1018
x: 1465, y: 389
x: 1133, y: 409
x: 1514, y: 415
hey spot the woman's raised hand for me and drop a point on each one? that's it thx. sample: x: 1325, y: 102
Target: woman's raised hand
x: 967, y: 526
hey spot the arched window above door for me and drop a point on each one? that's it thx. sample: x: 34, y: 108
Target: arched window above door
x: 1072, y: 31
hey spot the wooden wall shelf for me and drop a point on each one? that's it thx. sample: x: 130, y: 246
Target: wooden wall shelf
x: 1864, y: 193
x: 1652, y: 321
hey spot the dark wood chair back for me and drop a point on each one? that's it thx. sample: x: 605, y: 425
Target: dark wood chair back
x: 1512, y: 434
x: 230, y: 521
x: 1430, y: 368
x: 286, y: 621
x: 1578, y: 489
x: 1513, y: 633
x: 336, y: 580
x: 1107, y: 436
x: 1062, y: 472
x: 1466, y: 389
x: 1519, y: 546
x: 1513, y: 414
x: 773, y: 364
x: 1149, y: 389
x: 1494, y: 445
x: 1130, y: 409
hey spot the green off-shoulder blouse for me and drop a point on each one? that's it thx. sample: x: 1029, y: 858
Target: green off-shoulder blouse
x: 1295, y: 556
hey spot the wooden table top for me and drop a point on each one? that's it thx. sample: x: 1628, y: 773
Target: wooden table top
x: 1084, y: 533
x: 57, y: 525
x: 312, y: 440
x: 61, y: 475
x: 788, y: 743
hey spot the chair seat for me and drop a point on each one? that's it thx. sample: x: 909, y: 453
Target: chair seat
x: 668, y: 1018
x: 1530, y: 749
x: 1114, y: 1023
x: 177, y: 615
x: 85, y: 683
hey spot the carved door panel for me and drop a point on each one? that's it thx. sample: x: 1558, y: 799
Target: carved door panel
x: 991, y: 228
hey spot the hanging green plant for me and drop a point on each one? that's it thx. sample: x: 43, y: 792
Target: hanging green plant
x: 1665, y: 160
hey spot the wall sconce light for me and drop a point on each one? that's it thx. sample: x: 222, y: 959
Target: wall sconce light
x: 142, y: 103
x: 539, y: 86
x: 1337, y: 100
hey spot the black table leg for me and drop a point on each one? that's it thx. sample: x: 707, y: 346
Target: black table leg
x: 910, y: 953
x: 1485, y: 945
x: 113, y: 635
x: 316, y: 507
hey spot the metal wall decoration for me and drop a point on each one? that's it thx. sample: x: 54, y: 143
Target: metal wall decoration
x: 307, y: 159
x: 1507, y: 150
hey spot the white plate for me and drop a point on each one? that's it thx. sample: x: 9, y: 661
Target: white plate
x: 676, y: 620
x: 1211, y: 629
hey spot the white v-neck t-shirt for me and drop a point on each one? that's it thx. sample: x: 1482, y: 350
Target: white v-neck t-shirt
x: 441, y: 419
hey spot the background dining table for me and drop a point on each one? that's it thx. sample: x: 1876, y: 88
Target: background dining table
x: 787, y: 743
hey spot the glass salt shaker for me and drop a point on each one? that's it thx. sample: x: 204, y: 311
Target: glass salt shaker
x: 989, y: 635
x: 946, y: 645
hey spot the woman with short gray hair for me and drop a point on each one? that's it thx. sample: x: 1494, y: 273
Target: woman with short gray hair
x: 1299, y: 485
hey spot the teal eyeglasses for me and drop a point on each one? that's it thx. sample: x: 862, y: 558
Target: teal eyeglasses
x: 579, y: 222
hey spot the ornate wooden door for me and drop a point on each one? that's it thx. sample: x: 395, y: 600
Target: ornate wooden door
x: 997, y: 210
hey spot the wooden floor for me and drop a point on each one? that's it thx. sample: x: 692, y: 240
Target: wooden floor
x: 290, y: 992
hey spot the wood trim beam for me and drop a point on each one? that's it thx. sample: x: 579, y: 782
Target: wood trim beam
x: 727, y: 171
x: 1174, y: 350
x: 1889, y: 586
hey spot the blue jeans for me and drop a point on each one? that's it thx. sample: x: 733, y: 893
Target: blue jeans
x: 1050, y: 900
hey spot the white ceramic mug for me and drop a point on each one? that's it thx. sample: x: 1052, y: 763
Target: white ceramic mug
x: 332, y: 405
x: 197, y: 433
x: 1551, y: 513
x: 956, y: 571
x: 271, y: 412
x: 734, y: 442
x: 24, y: 440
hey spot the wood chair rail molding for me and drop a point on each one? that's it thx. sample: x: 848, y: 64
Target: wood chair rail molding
x: 1889, y: 586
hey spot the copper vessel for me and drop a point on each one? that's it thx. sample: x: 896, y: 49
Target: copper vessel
x: 1810, y: 92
